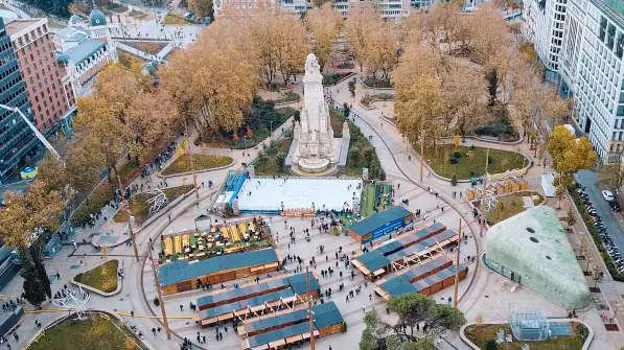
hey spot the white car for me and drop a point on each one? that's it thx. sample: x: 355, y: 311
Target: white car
x: 608, y: 195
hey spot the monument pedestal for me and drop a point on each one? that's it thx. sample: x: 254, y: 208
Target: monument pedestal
x: 314, y: 149
x: 313, y: 165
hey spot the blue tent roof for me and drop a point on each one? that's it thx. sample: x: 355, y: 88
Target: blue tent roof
x: 180, y: 271
x: 378, y: 220
x: 325, y: 315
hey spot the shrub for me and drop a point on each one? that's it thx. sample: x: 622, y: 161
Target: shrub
x: 377, y: 83
x: 454, y: 180
x: 457, y: 154
x: 156, y: 301
x: 491, y: 345
x: 453, y: 160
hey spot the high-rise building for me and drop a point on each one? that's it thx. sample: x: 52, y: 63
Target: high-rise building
x: 48, y: 88
x: 17, y: 141
x: 543, y: 25
x: 593, y: 72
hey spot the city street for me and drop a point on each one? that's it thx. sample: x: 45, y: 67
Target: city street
x: 589, y: 180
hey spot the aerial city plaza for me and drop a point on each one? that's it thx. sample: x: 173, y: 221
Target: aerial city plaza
x: 311, y: 175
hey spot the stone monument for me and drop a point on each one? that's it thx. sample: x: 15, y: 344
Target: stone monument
x: 314, y: 148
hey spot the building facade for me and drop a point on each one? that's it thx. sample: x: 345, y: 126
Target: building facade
x: 17, y: 141
x: 544, y: 26
x: 48, y: 88
x: 85, y: 49
x: 593, y: 72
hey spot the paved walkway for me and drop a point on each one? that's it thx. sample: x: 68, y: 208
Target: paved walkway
x: 487, y: 294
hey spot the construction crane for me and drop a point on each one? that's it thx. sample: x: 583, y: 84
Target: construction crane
x: 32, y: 127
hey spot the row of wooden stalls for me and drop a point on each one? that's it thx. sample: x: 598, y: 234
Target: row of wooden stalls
x: 499, y: 188
x: 271, y: 314
x: 291, y: 328
x: 184, y: 275
x: 256, y: 299
x: 417, y: 259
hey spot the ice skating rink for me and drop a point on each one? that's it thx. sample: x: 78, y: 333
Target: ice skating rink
x: 298, y: 193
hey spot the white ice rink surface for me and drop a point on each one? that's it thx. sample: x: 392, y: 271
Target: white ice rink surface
x: 299, y: 193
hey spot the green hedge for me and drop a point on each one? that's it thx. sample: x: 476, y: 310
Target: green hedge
x: 580, y: 205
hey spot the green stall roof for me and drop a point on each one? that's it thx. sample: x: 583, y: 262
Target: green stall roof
x: 180, y: 271
x: 378, y: 220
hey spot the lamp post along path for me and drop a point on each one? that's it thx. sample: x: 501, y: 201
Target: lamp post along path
x: 126, y: 207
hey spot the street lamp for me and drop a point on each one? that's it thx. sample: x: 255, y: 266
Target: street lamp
x: 34, y: 129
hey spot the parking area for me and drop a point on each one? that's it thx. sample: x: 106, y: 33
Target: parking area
x: 605, y: 220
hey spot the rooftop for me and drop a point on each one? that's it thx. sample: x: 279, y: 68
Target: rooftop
x: 8, y: 16
x: 180, y: 271
x: 18, y: 25
x: 378, y: 220
x: 535, y: 247
x: 614, y: 9
x: 70, y: 34
x: 84, y: 50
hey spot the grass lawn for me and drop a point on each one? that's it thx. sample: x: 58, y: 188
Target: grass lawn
x: 370, y: 195
x: 268, y: 165
x: 139, y: 207
x: 103, y: 277
x: 489, y: 332
x: 127, y: 60
x: 361, y: 152
x: 200, y: 162
x: 509, y: 205
x: 96, y: 332
x: 171, y: 19
x: 471, y: 161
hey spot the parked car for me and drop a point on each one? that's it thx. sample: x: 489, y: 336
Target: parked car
x: 608, y: 195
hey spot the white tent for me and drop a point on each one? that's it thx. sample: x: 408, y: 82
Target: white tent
x: 547, y: 185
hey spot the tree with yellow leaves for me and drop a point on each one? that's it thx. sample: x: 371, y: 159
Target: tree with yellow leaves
x: 373, y: 41
x: 152, y: 124
x: 201, y: 8
x: 325, y: 24
x: 569, y: 154
x: 212, y: 84
x: 25, y: 221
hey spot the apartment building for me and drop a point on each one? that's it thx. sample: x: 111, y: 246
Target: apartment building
x: 49, y: 91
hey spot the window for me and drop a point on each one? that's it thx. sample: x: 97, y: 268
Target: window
x: 610, y: 36
x: 619, y: 47
x: 603, y: 28
x: 620, y: 111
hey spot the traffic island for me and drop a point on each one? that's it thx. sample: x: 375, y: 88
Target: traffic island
x: 102, y: 279
x: 98, y: 330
